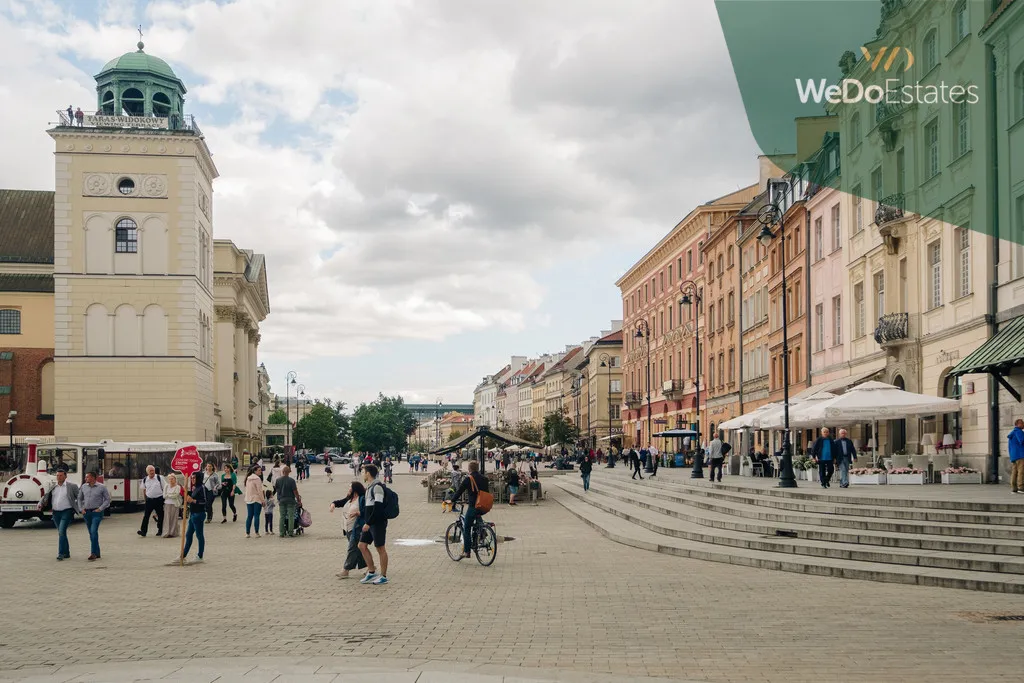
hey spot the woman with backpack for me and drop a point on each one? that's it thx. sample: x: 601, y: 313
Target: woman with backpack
x: 512, y: 480
x: 354, y: 515
x: 228, y: 488
x: 211, y: 481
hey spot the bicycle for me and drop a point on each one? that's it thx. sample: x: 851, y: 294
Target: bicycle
x: 484, y: 543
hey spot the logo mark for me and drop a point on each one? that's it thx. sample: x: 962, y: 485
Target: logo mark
x: 876, y: 60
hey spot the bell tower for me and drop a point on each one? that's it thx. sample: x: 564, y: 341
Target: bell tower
x: 133, y: 262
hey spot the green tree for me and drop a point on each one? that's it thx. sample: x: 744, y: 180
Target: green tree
x: 278, y: 417
x: 317, y: 429
x: 558, y: 428
x: 382, y: 425
x: 527, y: 431
x: 456, y: 435
x: 419, y: 446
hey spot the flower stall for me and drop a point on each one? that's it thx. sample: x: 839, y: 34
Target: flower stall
x: 905, y: 475
x: 867, y: 475
x: 960, y: 475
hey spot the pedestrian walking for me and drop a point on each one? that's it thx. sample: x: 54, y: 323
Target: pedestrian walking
x: 716, y: 458
x: 655, y: 460
x: 228, y: 489
x: 196, y: 499
x: 174, y: 498
x: 1016, y: 448
x: 512, y: 480
x: 276, y: 470
x: 79, y: 116
x: 151, y: 488
x: 353, y: 507
x: 375, y: 527
x: 93, y: 499
x: 634, y: 462
x: 254, y: 500
x: 824, y: 451
x: 586, y: 467
x: 62, y: 501
x: 211, y: 480
x: 846, y: 454
x: 234, y: 463
x: 328, y: 471
x: 287, y: 498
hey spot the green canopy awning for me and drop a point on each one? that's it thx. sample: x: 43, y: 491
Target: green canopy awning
x: 998, y: 356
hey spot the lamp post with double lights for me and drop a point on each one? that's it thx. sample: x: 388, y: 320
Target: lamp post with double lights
x: 606, y: 362
x: 289, y: 382
x: 643, y: 331
x: 691, y: 296
x: 769, y: 215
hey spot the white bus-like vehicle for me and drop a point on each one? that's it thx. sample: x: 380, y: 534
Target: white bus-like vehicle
x: 119, y: 465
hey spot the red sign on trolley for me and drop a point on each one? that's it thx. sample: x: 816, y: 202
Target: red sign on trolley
x: 187, y: 460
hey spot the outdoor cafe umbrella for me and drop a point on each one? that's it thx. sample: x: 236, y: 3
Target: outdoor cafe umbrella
x: 775, y: 417
x: 746, y: 421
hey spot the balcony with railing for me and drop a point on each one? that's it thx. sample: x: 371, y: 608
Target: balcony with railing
x: 892, y: 328
x: 634, y: 399
x: 173, y: 124
x: 674, y: 389
x: 890, y: 210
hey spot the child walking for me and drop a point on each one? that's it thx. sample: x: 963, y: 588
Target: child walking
x: 268, y: 513
x: 328, y: 471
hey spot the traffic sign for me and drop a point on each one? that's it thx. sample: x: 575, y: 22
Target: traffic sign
x: 187, y: 460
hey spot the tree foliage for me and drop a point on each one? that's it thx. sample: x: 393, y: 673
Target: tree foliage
x: 456, y: 435
x: 527, y: 431
x: 558, y: 428
x: 317, y: 429
x: 278, y: 417
x: 382, y: 425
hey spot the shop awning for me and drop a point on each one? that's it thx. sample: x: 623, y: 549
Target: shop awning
x: 998, y: 356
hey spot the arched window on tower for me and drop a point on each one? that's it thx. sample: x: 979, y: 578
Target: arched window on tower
x: 126, y: 237
x: 107, y: 107
x: 161, y: 105
x: 133, y: 102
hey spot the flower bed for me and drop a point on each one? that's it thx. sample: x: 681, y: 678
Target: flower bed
x: 867, y: 475
x: 960, y: 475
x: 905, y: 475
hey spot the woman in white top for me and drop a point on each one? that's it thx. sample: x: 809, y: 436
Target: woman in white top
x: 173, y: 494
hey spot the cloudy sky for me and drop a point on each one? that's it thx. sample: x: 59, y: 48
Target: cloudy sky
x: 437, y: 184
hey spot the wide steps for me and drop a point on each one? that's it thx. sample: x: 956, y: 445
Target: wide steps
x: 659, y: 519
x: 749, y: 517
x: 985, y: 524
x: 622, y: 531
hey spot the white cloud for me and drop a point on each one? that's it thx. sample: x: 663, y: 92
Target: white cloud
x: 408, y: 167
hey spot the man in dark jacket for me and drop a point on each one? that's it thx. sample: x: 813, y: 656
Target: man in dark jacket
x: 846, y: 453
x: 634, y: 462
x: 824, y: 451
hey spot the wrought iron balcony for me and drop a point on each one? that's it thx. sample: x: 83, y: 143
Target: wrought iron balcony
x: 634, y: 399
x: 99, y: 119
x: 673, y: 389
x: 885, y: 111
x: 892, y: 327
x: 890, y: 210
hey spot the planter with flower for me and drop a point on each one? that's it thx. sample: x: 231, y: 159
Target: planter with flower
x: 960, y: 475
x: 867, y: 475
x: 905, y: 475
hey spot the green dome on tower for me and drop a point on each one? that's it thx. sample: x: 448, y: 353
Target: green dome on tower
x: 138, y: 84
x: 140, y: 61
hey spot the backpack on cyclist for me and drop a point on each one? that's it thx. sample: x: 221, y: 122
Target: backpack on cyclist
x: 390, y: 503
x: 484, y: 500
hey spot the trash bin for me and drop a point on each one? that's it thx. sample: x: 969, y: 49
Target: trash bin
x: 680, y: 460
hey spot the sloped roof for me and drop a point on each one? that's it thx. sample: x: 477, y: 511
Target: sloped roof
x: 613, y: 338
x: 26, y: 226
x: 25, y: 283
x: 565, y: 359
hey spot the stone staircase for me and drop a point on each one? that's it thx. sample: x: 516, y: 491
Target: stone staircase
x: 952, y: 544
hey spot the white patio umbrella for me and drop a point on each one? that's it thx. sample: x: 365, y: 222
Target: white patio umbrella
x: 873, y: 401
x: 746, y: 421
x: 775, y: 418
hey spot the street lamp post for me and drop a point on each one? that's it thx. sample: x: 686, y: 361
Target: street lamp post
x: 289, y: 381
x: 643, y: 331
x: 691, y: 297
x: 10, y: 423
x: 437, y: 424
x: 300, y: 408
x: 769, y: 215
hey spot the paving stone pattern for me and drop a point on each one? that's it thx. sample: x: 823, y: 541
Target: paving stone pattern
x: 560, y: 597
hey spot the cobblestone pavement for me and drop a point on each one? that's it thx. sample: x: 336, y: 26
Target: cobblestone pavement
x: 559, y: 597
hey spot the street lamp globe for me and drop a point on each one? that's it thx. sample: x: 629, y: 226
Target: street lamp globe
x: 766, y: 236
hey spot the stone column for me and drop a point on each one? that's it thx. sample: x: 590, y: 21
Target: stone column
x: 241, y: 366
x: 224, y: 365
x: 253, y: 400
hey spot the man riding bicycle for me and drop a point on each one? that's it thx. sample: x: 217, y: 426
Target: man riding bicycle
x: 471, y: 484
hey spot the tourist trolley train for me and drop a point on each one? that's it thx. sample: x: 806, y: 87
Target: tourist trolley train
x: 120, y: 465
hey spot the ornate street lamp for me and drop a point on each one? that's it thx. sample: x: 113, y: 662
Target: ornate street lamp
x: 691, y: 297
x: 289, y: 381
x: 769, y: 215
x: 643, y: 331
x: 606, y: 362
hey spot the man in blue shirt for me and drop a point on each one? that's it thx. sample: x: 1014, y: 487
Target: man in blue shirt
x: 823, y: 451
x: 1016, y: 448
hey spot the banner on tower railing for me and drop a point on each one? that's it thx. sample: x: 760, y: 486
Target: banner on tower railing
x: 99, y: 121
